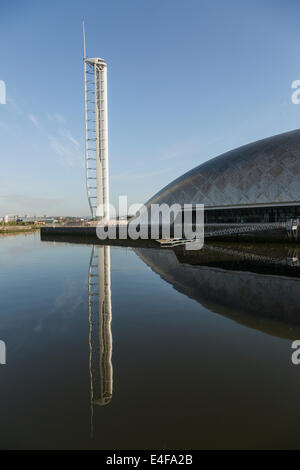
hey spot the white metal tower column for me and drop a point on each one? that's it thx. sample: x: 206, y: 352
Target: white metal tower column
x: 96, y: 136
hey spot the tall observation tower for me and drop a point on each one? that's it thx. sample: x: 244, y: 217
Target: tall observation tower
x: 96, y: 135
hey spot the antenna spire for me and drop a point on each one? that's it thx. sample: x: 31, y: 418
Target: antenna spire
x: 83, y: 33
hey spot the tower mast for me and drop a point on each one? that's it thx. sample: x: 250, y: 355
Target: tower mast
x: 96, y: 135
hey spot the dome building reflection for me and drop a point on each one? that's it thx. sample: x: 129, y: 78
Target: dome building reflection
x: 255, y: 289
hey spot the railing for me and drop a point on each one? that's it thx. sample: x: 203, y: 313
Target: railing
x: 245, y: 228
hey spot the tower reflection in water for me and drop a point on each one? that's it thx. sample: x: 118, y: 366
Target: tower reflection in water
x: 256, y: 286
x: 100, y: 337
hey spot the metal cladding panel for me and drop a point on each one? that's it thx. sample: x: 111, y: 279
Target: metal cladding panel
x: 263, y: 172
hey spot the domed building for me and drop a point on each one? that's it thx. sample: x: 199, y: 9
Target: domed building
x: 258, y: 182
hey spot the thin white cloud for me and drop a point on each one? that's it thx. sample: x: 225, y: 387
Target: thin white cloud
x: 133, y: 175
x: 182, y: 149
x: 34, y: 120
x: 57, y: 117
x: 62, y: 142
x: 67, y: 134
x: 70, y: 154
x: 60, y: 118
x: 64, y: 151
x: 67, y: 148
x: 196, y: 150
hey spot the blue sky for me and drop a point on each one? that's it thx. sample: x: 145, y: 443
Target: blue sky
x: 188, y: 80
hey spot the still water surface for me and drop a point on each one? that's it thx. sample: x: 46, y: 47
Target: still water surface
x: 123, y: 348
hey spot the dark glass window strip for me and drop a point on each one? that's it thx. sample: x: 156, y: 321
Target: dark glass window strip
x: 250, y: 215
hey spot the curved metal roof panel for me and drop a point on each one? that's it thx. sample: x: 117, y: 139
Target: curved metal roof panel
x: 265, y: 172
